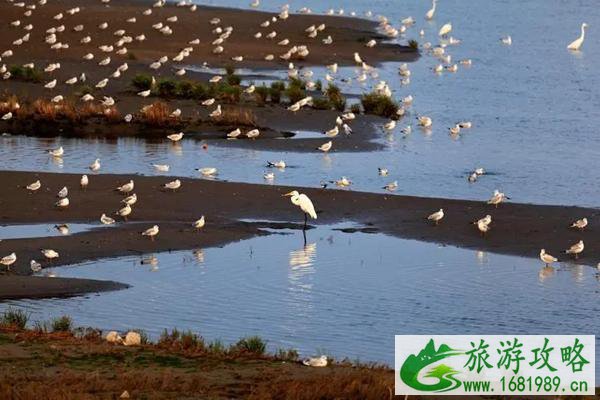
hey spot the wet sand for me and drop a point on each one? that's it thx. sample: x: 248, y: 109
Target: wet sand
x: 349, y: 35
x: 18, y: 287
x: 224, y: 204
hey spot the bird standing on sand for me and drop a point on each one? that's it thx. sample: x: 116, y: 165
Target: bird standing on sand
x: 84, y: 181
x: 125, y: 211
x: 483, y: 224
x: 173, y: 185
x: 199, y: 224
x: 580, y: 224
x: 34, y: 186
x: 151, y: 232
x: 126, y: 188
x: 62, y: 203
x: 50, y: 254
x: 130, y: 200
x: 8, y: 260
x: 576, y: 249
x: 303, y: 201
x: 437, y: 216
x: 547, y: 258
x: 106, y: 220
x: 497, y: 198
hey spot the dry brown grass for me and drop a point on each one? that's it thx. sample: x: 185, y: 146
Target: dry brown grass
x: 9, y: 104
x: 236, y: 117
x: 157, y: 114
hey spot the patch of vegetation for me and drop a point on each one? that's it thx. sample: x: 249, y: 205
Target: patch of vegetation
x: 355, y: 108
x: 261, y: 94
x: 252, y: 344
x: 166, y: 88
x: 15, y: 318
x: 378, y: 104
x: 295, y: 93
x: 185, y: 89
x: 157, y: 114
x: 217, y: 347
x: 236, y: 117
x: 413, y: 44
x: 290, y: 355
x: 321, y: 103
x: 62, y: 324
x: 142, y: 82
x: 334, y: 94
x: 26, y: 74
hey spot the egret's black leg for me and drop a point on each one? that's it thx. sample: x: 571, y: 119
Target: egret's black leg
x: 305, y: 220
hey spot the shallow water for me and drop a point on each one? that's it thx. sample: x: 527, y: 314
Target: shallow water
x: 22, y: 231
x: 533, y: 106
x: 343, y: 294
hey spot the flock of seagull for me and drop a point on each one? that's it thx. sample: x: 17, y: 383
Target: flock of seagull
x: 297, y: 52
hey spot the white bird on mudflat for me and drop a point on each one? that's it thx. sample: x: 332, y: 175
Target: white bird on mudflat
x: 199, y: 224
x: 151, y: 232
x: 357, y: 58
x: 437, y: 216
x: 303, y: 201
x: 180, y: 72
x: 62, y: 203
x: 95, y: 166
x: 126, y: 188
x: 50, y: 254
x: 546, y: 258
x: 389, y: 126
x: 87, y: 97
x: 217, y: 112
x: 325, y: 147
x: 106, y: 220
x: 253, y: 134
x: 576, y: 249
x: 176, y: 113
x: 483, y: 224
x: 234, y: 133
x: 429, y: 14
x: 35, y: 266
x: 391, y: 186
x: 315, y: 361
x: 445, y: 29
x: 125, y: 211
x: 577, y: 43
x: 34, y: 186
x: 208, y: 102
x: 580, y: 223
x: 64, y: 192
x: 144, y: 93
x: 333, y: 131
x: 497, y: 198
x: 130, y: 200
x: 207, y: 171
x: 8, y: 260
x: 175, y: 137
x: 173, y: 185
x: 51, y: 84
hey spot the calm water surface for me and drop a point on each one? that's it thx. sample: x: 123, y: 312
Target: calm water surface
x: 534, y: 106
x: 344, y: 294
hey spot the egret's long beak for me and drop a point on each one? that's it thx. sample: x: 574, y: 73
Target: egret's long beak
x: 287, y: 194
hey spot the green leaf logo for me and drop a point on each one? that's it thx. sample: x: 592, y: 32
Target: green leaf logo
x: 413, y: 365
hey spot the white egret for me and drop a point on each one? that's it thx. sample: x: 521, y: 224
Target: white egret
x: 303, y: 201
x: 577, y: 43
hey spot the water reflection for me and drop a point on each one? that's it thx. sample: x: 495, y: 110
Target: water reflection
x: 332, y: 293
